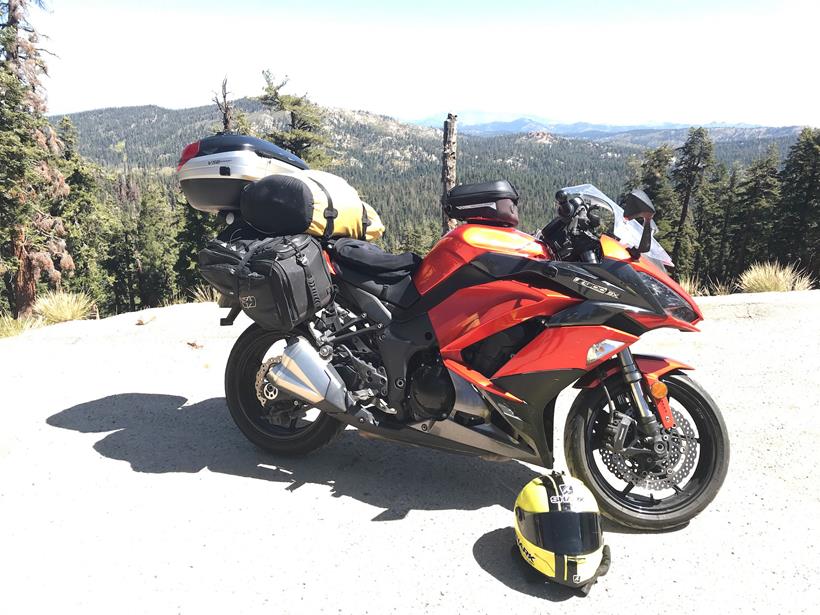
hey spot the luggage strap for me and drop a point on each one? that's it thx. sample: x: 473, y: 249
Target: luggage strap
x: 252, y: 249
x: 302, y: 260
x: 365, y: 222
x: 330, y: 213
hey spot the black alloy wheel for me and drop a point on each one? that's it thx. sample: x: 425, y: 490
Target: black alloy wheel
x: 638, y: 491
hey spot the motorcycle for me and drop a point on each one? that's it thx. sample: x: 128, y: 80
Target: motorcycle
x: 467, y: 350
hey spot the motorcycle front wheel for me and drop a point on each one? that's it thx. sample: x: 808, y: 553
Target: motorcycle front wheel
x: 270, y: 418
x: 636, y: 491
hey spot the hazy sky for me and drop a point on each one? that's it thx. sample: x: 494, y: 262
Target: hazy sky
x: 620, y: 62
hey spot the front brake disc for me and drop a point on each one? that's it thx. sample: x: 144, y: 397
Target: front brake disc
x: 674, y: 469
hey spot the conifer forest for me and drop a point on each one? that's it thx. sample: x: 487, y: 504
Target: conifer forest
x: 90, y: 202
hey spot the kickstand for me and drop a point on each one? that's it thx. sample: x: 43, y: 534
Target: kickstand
x: 228, y: 320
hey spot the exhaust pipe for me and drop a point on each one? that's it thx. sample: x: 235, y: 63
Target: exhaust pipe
x: 303, y: 374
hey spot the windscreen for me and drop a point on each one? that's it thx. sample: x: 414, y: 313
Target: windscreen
x: 628, y: 232
x: 563, y: 533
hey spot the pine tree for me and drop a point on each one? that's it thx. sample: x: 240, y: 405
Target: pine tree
x: 89, y: 221
x: 796, y: 224
x: 706, y: 219
x: 759, y: 193
x: 154, y: 249
x: 121, y: 264
x: 196, y: 229
x: 303, y: 132
x: 694, y: 160
x: 728, y: 205
x: 29, y: 179
x: 653, y: 177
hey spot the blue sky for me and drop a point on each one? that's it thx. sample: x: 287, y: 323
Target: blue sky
x: 615, y: 62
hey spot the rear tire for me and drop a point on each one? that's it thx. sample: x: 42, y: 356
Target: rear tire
x: 707, y: 475
x: 246, y: 410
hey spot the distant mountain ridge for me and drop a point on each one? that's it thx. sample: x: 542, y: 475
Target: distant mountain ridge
x: 645, y: 135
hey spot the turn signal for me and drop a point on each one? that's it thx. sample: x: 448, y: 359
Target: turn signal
x: 658, y: 390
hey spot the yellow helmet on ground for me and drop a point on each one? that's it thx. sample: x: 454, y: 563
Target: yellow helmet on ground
x: 558, y: 531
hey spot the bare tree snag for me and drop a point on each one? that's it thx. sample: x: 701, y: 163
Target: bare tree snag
x: 225, y: 107
x: 448, y: 169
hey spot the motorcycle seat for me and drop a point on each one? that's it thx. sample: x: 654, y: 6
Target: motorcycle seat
x: 368, y: 267
x: 369, y: 258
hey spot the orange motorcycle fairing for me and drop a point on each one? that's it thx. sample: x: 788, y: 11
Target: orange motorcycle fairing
x: 476, y: 312
x: 652, y: 367
x: 563, y: 348
x: 465, y: 243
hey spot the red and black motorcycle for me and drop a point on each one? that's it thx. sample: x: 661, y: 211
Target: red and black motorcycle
x: 467, y: 350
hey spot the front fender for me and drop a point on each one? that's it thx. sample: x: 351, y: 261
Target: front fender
x: 652, y: 367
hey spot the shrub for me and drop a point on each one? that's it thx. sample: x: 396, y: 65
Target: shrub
x: 204, y: 293
x: 769, y: 277
x: 58, y: 306
x: 721, y: 288
x: 692, y: 285
x: 14, y: 326
x: 175, y: 299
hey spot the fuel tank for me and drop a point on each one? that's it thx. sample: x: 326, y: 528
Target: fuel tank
x: 468, y: 241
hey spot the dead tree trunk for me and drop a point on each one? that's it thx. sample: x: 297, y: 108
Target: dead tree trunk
x: 225, y: 107
x: 448, y: 169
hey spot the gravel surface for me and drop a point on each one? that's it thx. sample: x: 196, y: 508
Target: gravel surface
x: 125, y: 487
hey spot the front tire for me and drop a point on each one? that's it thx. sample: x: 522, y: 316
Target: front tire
x: 297, y: 437
x: 621, y: 502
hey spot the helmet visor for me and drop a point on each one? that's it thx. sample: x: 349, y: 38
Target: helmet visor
x: 566, y: 532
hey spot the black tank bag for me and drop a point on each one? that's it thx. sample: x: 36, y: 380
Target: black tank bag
x: 280, y: 282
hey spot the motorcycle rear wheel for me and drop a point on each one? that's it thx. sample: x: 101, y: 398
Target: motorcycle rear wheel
x: 299, y: 437
x: 621, y: 502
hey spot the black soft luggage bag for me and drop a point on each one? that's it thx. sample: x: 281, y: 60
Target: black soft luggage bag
x: 280, y: 282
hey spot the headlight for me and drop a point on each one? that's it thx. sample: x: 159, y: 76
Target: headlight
x: 601, y: 349
x: 672, y: 303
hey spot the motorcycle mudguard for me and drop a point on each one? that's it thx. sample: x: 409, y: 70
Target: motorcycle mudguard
x: 652, y: 367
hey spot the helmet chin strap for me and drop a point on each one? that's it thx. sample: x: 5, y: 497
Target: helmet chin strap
x: 603, y: 568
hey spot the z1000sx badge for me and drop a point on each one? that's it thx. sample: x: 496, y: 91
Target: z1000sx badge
x: 596, y: 287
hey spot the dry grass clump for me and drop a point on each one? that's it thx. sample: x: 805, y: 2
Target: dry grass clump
x: 721, y: 288
x: 774, y: 277
x: 693, y: 286
x: 59, y: 306
x: 204, y: 293
x: 14, y: 326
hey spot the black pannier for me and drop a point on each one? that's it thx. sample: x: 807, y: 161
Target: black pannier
x: 280, y: 282
x: 489, y: 202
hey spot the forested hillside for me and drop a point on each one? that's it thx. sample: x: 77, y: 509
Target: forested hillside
x: 396, y: 166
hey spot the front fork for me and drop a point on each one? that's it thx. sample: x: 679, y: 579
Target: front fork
x: 648, y: 423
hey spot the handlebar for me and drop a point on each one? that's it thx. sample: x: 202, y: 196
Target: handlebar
x: 573, y: 232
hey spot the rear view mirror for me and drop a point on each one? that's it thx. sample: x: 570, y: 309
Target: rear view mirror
x: 638, y: 205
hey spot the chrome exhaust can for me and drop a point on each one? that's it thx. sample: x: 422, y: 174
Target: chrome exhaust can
x: 303, y: 374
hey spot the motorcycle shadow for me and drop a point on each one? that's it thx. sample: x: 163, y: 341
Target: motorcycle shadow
x: 158, y: 434
x: 497, y: 555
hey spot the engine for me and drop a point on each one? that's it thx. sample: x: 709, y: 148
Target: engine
x: 430, y: 391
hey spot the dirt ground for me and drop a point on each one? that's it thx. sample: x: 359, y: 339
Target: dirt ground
x: 125, y: 487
